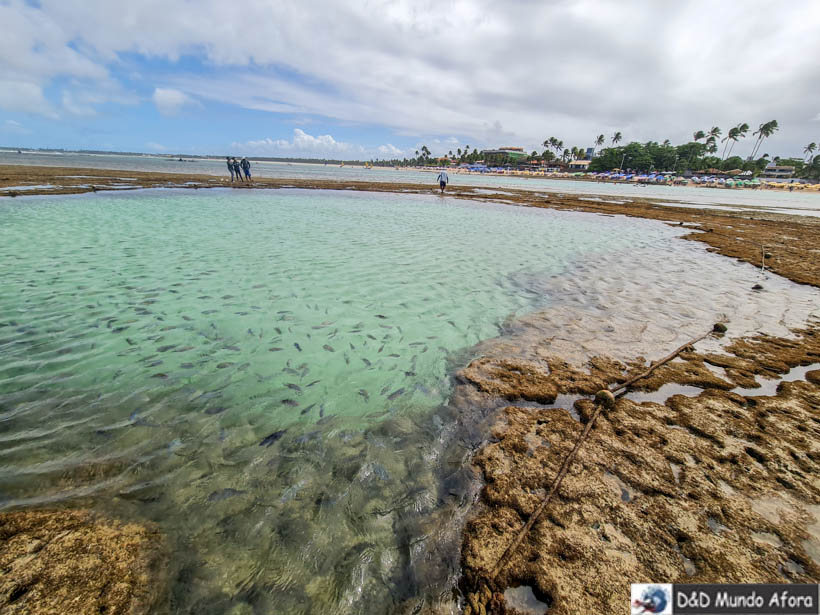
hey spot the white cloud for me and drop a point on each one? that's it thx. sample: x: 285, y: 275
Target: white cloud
x: 169, y: 101
x: 24, y: 96
x: 14, y: 127
x: 501, y: 74
x: 301, y: 144
x: 390, y: 150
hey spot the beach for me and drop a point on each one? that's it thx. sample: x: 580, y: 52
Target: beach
x: 711, y: 480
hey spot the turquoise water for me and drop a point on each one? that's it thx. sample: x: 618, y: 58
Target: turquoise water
x: 267, y: 375
x: 263, y: 374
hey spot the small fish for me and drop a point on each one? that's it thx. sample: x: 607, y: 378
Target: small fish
x: 233, y: 348
x: 118, y: 330
x: 290, y: 370
x: 312, y: 383
x: 155, y: 363
x: 187, y: 365
x: 215, y: 410
x: 278, y: 330
x: 321, y: 411
x: 328, y: 347
x: 274, y: 349
x: 395, y: 394
x: 366, y: 362
x: 291, y: 402
x: 297, y: 346
x: 394, y: 355
x: 166, y: 348
x: 382, y: 348
x: 276, y: 435
x: 352, y: 347
x: 308, y: 409
x: 160, y: 376
x: 364, y: 394
x: 187, y: 318
x: 224, y: 494
x: 371, y: 337
x: 295, y: 387
x: 381, y: 316
x: 130, y: 341
x: 409, y: 374
x: 223, y: 365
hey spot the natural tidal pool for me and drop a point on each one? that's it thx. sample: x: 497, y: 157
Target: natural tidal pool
x: 267, y: 375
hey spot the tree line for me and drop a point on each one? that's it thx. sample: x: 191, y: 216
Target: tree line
x: 708, y: 149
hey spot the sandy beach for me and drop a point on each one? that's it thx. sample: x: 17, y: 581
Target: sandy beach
x: 718, y: 485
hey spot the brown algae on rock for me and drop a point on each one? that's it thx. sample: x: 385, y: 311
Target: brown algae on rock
x: 72, y: 561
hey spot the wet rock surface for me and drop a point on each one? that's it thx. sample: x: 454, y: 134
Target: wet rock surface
x: 718, y: 487
x: 71, y: 561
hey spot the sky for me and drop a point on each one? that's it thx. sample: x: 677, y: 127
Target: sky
x: 380, y: 78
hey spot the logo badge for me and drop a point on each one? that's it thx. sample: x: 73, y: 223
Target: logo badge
x: 651, y: 598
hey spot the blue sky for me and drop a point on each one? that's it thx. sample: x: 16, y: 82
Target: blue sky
x: 379, y: 78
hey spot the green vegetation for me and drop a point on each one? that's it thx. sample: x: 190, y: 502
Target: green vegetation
x: 700, y: 154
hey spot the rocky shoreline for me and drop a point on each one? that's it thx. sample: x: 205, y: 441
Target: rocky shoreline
x: 716, y: 487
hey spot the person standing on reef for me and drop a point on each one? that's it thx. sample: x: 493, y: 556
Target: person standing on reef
x: 246, y: 168
x: 236, y: 169
x: 442, y: 180
x: 230, y: 166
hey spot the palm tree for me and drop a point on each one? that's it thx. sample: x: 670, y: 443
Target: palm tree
x: 809, y: 150
x: 714, y: 133
x: 616, y: 138
x: 599, y: 141
x: 566, y: 155
x: 763, y: 131
x: 697, y: 136
x: 735, y: 133
x: 667, y: 143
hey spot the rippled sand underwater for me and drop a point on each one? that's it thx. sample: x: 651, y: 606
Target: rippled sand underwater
x: 267, y: 374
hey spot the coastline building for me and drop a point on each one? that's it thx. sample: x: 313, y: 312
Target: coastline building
x: 515, y: 153
x: 774, y: 171
x: 579, y: 165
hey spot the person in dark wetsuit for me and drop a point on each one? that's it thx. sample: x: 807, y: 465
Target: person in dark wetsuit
x: 230, y: 165
x: 237, y: 170
x: 246, y: 168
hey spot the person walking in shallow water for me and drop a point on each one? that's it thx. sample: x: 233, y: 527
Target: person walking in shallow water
x: 246, y: 168
x: 237, y: 170
x: 230, y: 165
x: 442, y: 180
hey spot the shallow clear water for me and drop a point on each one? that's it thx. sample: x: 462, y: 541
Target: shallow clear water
x: 798, y: 202
x: 257, y: 371
x: 266, y: 374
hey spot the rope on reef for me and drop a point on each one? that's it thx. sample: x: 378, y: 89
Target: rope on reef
x: 605, y: 398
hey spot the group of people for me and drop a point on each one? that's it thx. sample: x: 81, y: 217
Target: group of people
x: 238, y: 167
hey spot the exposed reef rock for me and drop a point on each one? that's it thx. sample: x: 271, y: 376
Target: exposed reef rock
x: 71, y: 561
x: 721, y: 487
